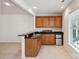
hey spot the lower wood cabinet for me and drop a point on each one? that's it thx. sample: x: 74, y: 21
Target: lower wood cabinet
x: 32, y: 47
x: 48, y: 39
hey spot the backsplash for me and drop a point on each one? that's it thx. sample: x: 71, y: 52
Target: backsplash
x: 53, y: 29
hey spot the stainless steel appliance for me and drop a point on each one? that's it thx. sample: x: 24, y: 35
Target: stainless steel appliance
x: 58, y: 39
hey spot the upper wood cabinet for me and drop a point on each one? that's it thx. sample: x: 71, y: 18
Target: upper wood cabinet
x: 52, y: 21
x: 45, y: 21
x: 39, y: 21
x: 58, y: 21
x: 48, y: 22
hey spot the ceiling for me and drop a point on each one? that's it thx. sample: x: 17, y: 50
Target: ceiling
x: 13, y: 9
x: 43, y: 6
x: 47, y: 6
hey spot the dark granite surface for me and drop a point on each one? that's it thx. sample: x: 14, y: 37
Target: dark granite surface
x: 35, y: 34
x: 40, y: 33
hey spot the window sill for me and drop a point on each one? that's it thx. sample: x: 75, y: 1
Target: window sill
x: 75, y: 48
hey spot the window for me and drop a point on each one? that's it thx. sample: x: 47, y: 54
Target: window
x: 74, y: 28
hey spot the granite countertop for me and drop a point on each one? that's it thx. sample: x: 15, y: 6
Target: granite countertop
x: 38, y: 34
x: 57, y: 32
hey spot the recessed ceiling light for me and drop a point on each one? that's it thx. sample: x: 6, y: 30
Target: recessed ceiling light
x: 7, y: 4
x: 62, y: 0
x: 35, y: 7
x: 62, y: 7
x: 16, y: 0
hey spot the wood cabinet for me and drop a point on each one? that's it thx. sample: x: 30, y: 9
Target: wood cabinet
x: 32, y: 47
x: 45, y: 21
x: 49, y: 21
x: 58, y: 21
x: 48, y: 39
x: 52, y: 21
x: 39, y: 21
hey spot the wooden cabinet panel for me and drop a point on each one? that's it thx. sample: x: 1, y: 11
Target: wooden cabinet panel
x: 39, y: 21
x: 45, y: 22
x: 44, y: 39
x: 51, y: 39
x: 52, y: 21
x: 48, y: 39
x: 58, y: 21
x: 32, y: 47
x: 49, y: 21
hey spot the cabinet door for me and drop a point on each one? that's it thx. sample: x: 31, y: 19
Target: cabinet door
x: 53, y: 40
x: 39, y: 21
x: 45, y: 22
x: 52, y: 21
x: 58, y: 21
x: 49, y: 21
x: 43, y: 39
x: 48, y: 39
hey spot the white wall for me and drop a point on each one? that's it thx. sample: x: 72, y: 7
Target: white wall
x: 12, y: 25
x: 73, y: 5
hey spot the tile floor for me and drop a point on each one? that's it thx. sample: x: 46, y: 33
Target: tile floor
x: 13, y: 51
x: 10, y: 51
x: 52, y: 52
